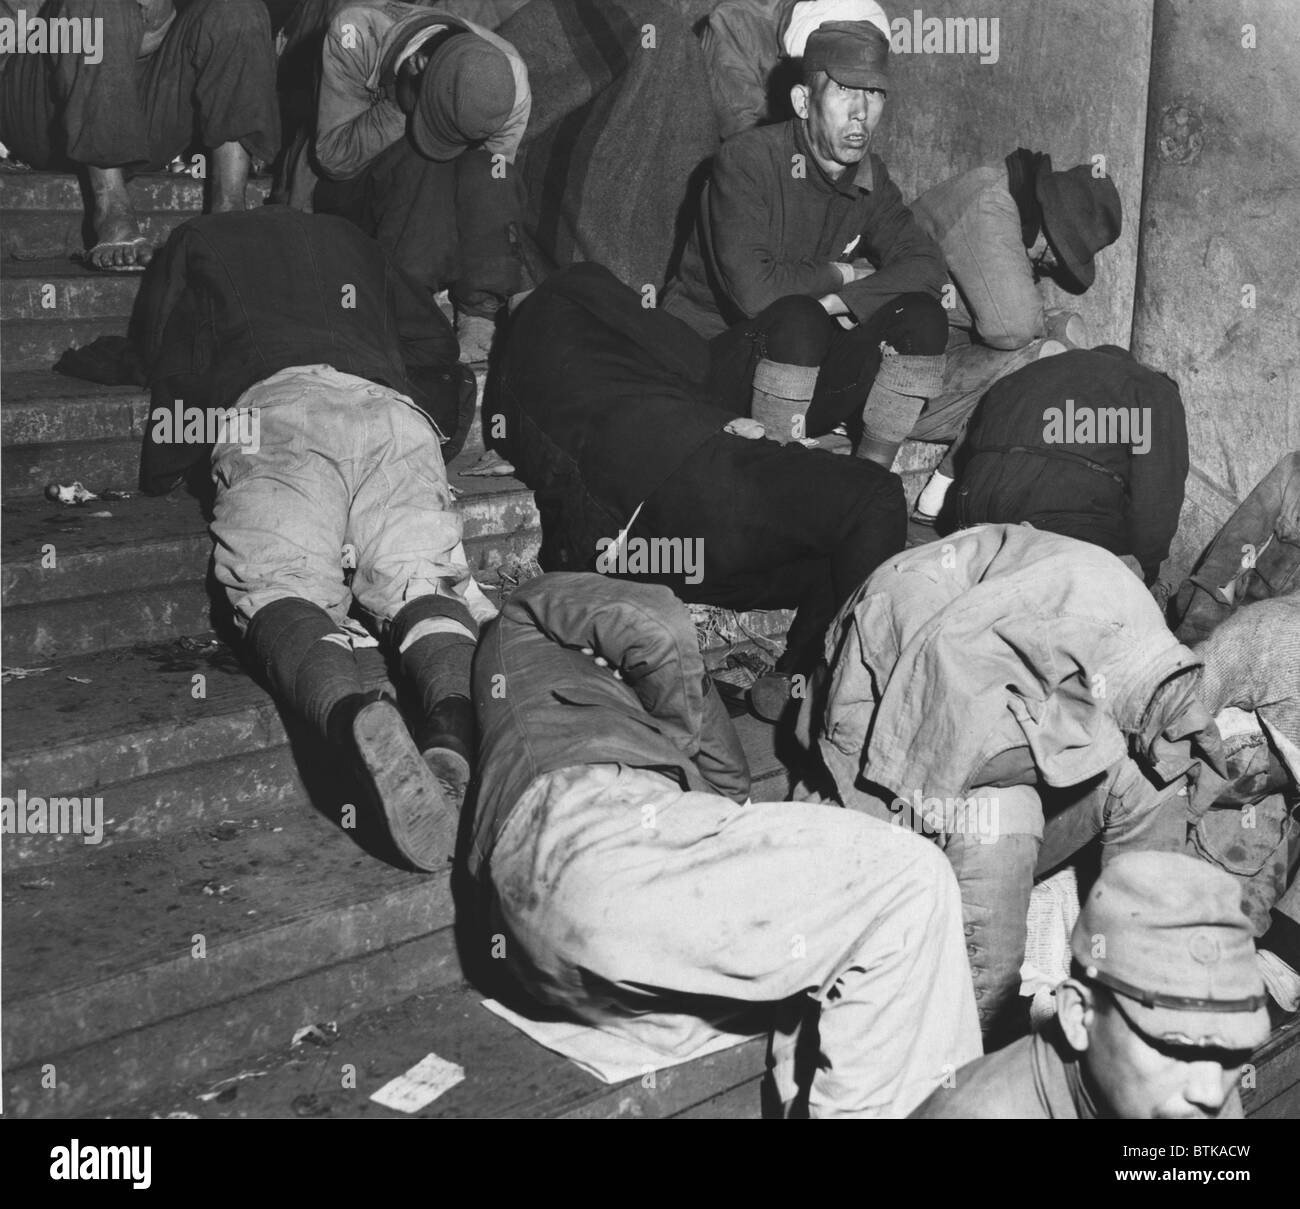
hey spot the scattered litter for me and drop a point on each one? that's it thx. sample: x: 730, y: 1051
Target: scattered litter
x: 21, y: 673
x: 226, y: 1089
x: 71, y: 493
x: 80, y: 679
x: 100, y: 515
x: 317, y: 1034
x: 109, y: 494
x: 41, y: 883
x: 225, y: 830
x: 421, y: 1085
x: 182, y: 1116
x: 275, y: 829
x: 215, y: 888
x: 198, y: 644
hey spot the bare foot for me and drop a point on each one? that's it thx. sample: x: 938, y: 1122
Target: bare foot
x: 118, y: 242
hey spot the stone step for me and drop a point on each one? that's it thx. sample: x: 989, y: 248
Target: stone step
x: 60, y: 429
x: 507, y: 1075
x: 299, y: 919
x: 54, y: 291
x: 44, y: 234
x: 44, y: 192
x: 36, y: 344
x: 40, y: 407
x: 171, y: 593
x: 166, y: 751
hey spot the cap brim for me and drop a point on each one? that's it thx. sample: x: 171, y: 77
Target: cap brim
x: 859, y: 77
x: 1222, y: 1030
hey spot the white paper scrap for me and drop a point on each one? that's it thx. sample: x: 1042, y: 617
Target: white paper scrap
x: 421, y: 1085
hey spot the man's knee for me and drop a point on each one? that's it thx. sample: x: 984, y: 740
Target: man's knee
x: 796, y: 331
x: 917, y: 325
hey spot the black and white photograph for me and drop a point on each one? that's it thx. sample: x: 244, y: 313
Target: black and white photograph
x: 709, y: 559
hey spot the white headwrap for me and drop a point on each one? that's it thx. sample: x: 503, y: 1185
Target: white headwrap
x: 809, y: 14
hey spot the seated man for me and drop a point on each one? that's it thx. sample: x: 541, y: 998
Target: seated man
x: 1014, y: 694
x: 155, y: 80
x: 1003, y: 228
x: 1091, y: 444
x: 635, y: 890
x: 1161, y: 1014
x: 639, y: 472
x: 743, y: 41
x: 419, y: 120
x: 800, y: 226
x: 287, y: 344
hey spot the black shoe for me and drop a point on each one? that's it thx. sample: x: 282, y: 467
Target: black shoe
x: 446, y: 742
x: 421, y: 820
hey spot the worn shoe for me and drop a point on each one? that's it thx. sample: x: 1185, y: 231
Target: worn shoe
x: 421, y: 821
x: 446, y: 743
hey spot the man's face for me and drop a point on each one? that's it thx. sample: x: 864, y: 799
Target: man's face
x: 1140, y: 1077
x: 840, y: 119
x: 407, y: 86
x: 1043, y: 258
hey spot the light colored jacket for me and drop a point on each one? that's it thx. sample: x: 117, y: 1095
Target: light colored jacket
x: 1001, y: 639
x: 355, y: 120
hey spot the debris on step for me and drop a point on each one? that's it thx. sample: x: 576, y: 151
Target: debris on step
x: 21, y: 673
x: 421, y: 1085
x: 317, y: 1034
x: 71, y: 493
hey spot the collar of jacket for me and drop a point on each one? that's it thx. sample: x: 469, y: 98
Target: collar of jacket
x: 848, y: 183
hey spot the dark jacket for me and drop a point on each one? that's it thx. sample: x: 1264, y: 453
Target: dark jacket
x: 543, y: 705
x: 767, y: 230
x: 1023, y: 458
x: 234, y: 298
x: 602, y: 400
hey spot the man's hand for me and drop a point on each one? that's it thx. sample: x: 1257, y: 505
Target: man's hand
x: 742, y: 426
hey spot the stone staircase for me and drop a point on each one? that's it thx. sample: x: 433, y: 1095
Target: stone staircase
x: 225, y: 906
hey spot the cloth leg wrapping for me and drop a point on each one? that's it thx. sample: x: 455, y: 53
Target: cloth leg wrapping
x: 305, y: 656
x: 781, y: 397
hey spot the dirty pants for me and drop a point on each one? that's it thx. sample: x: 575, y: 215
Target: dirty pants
x: 341, y: 460
x: 211, y: 81
x: 656, y: 914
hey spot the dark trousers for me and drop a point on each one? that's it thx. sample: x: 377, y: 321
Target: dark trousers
x: 796, y: 331
x: 446, y: 223
x: 211, y: 81
x: 782, y: 526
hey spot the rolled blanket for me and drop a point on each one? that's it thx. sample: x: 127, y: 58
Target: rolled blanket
x: 620, y: 130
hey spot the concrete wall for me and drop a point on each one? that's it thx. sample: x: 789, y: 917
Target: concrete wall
x: 1070, y: 79
x: 1220, y: 221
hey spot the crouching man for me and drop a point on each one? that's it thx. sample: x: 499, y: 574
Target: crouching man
x: 296, y: 333
x: 639, y: 892
x: 1162, y: 1012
